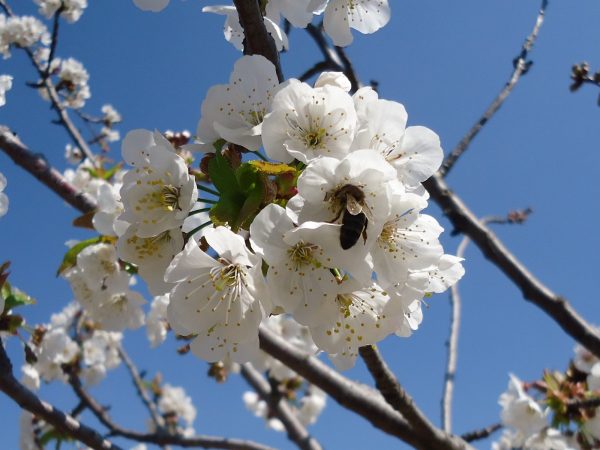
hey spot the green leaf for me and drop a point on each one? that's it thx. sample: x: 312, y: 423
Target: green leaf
x: 252, y: 184
x: 70, y: 258
x: 17, y: 298
x: 109, y: 173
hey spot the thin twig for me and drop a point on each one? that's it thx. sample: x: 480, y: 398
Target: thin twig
x: 335, y: 58
x: 557, y: 307
x: 521, y: 66
x: 46, y: 82
x: 588, y: 403
x: 399, y: 399
x: 29, y: 401
x: 158, y: 438
x: 140, y: 388
x: 481, y: 434
x: 514, y: 217
x: 54, y: 41
x: 296, y: 432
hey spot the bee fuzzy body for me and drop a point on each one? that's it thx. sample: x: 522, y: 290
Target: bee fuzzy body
x: 353, y: 226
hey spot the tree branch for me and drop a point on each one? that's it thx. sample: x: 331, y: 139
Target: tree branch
x: 158, y: 438
x: 296, y: 432
x: 481, y: 434
x: 521, y: 66
x: 37, y: 165
x: 493, y: 249
x: 352, y: 396
x: 257, y: 40
x: 399, y: 399
x: 140, y: 389
x: 55, y: 417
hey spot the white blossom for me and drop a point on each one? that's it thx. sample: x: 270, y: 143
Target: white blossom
x: 106, y: 218
x: 158, y: 192
x: 235, y: 111
x: 110, y: 115
x: 307, y: 122
x: 415, y: 152
x: 5, y: 86
x: 222, y: 301
x: 366, y: 16
x: 56, y: 349
x: 71, y: 9
x: 22, y: 31
x: 152, y: 255
x: 100, y: 353
x: 156, y: 321
x: 260, y: 408
x: 174, y: 400
x: 520, y: 411
x: 357, y: 319
x: 299, y: 276
x: 73, y: 154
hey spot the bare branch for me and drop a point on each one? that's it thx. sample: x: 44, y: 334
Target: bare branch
x: 55, y: 417
x: 588, y: 403
x: 39, y: 168
x: 521, y: 66
x: 481, y: 434
x: 296, y: 432
x: 513, y: 217
x: 158, y: 438
x: 351, y: 395
x: 399, y: 399
x: 334, y: 56
x: 54, y: 41
x: 257, y: 40
x: 46, y: 82
x: 140, y: 389
x: 533, y: 289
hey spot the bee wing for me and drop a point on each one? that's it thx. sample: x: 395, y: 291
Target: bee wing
x: 353, y: 206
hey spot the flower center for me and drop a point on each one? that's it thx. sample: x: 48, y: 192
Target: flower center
x: 314, y: 138
x: 169, y: 197
x: 301, y: 254
x: 227, y: 277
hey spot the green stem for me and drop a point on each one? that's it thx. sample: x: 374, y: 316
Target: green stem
x: 198, y: 211
x: 205, y: 200
x: 205, y: 189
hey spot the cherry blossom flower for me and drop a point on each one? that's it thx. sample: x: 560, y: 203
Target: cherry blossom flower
x: 307, y: 122
x: 156, y: 321
x: 235, y: 111
x: 158, y: 192
x: 22, y: 31
x: 71, y: 9
x: 415, y: 151
x: 222, y: 301
x: 366, y: 16
x: 174, y: 400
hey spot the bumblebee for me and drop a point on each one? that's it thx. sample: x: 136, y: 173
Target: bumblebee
x: 350, y: 201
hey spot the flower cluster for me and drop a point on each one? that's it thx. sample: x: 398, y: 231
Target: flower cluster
x: 336, y: 236
x: 21, y: 31
x: 71, y: 10
x: 71, y: 84
x: 554, y: 412
x: 5, y: 86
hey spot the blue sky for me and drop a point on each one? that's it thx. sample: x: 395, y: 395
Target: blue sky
x: 444, y: 61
